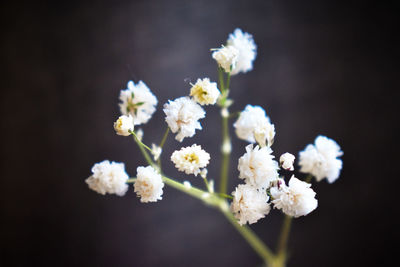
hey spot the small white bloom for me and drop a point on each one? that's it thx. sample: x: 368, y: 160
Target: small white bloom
x: 182, y: 116
x: 249, y: 204
x: 190, y: 159
x: 286, y: 160
x: 295, y: 200
x: 149, y: 184
x: 124, y: 125
x: 205, y: 92
x: 244, y: 43
x: 203, y: 173
x: 258, y: 167
x: 187, y: 184
x: 138, y: 101
x: 226, y: 147
x: 156, y: 151
x: 139, y: 134
x: 108, y: 178
x: 226, y: 57
x: 224, y: 113
x: 253, y: 125
x: 321, y: 159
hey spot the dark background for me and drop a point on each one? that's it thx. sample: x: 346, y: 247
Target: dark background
x: 322, y: 68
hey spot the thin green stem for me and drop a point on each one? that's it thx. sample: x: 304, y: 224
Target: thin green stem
x: 131, y: 180
x: 206, y: 183
x: 221, y: 79
x: 139, y: 141
x: 256, y: 243
x: 144, y: 152
x: 164, y: 138
x: 283, y: 239
x: 228, y: 80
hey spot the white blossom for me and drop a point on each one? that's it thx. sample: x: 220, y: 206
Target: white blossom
x: 321, y: 159
x: 139, y: 134
x: 108, y: 178
x: 205, y: 92
x: 244, y: 43
x: 149, y: 184
x: 258, y: 167
x: 182, y: 116
x: 249, y: 204
x: 226, y: 57
x: 138, y: 101
x: 295, y: 200
x: 190, y: 159
x: 254, y: 126
x: 286, y: 160
x: 124, y: 125
x: 156, y: 151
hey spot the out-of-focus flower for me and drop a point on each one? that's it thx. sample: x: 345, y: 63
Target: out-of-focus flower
x: 124, y: 125
x: 226, y: 57
x: 156, y: 151
x: 249, y: 204
x: 321, y: 159
x: 190, y: 159
x: 295, y: 200
x: 108, y: 178
x: 254, y: 126
x: 138, y: 101
x: 182, y: 116
x: 286, y: 160
x: 258, y: 167
x: 149, y: 184
x: 244, y: 43
x: 205, y: 92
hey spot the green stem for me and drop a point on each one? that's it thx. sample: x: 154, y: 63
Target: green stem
x: 144, y: 152
x: 228, y: 80
x: 257, y: 244
x: 221, y: 79
x: 193, y: 191
x: 282, y: 245
x: 164, y: 138
x: 131, y: 180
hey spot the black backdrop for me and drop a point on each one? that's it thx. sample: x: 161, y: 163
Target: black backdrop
x: 322, y: 68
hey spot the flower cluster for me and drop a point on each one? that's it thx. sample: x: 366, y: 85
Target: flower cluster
x: 263, y: 186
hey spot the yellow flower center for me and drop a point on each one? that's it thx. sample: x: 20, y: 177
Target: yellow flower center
x: 192, y: 158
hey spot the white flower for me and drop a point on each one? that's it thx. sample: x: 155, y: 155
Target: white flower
x: 244, y: 43
x: 254, y: 126
x: 258, y: 167
x: 108, y: 178
x: 138, y: 101
x: 156, y: 151
x: 205, y: 92
x: 190, y: 159
x: 139, y: 134
x: 249, y: 204
x: 321, y: 160
x: 286, y: 160
x: 149, y: 184
x: 124, y: 125
x: 295, y: 200
x: 182, y: 116
x: 226, y: 57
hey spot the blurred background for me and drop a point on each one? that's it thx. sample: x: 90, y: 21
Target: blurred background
x: 322, y: 68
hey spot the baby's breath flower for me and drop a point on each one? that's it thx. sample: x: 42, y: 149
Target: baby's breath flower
x: 321, y: 159
x: 156, y: 151
x: 295, y: 200
x: 226, y: 57
x: 182, y: 117
x: 249, y: 204
x: 149, y: 184
x: 139, y: 134
x: 205, y: 92
x: 258, y: 167
x: 108, y: 178
x: 124, y: 125
x: 187, y: 184
x: 254, y: 126
x: 190, y: 159
x: 244, y: 43
x: 138, y: 101
x: 286, y: 160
